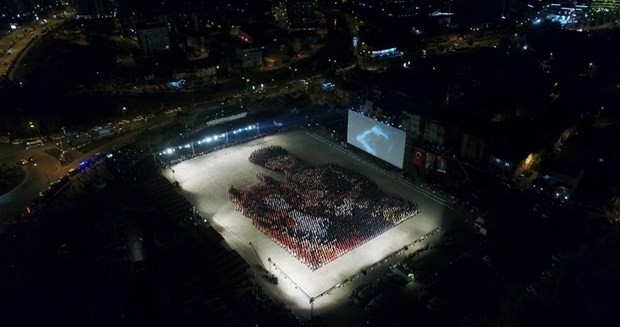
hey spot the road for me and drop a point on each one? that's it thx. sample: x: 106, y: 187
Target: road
x: 38, y: 174
x: 22, y: 38
x: 45, y: 168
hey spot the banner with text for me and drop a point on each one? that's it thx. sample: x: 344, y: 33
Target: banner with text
x: 441, y: 163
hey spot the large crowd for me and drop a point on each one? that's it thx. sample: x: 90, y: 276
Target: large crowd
x: 317, y: 213
x: 276, y: 158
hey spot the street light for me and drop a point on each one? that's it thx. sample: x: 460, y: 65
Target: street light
x: 124, y: 109
x: 293, y: 70
x: 36, y: 126
x: 247, y: 81
x: 332, y: 61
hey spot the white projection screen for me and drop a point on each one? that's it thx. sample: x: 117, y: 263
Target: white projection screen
x: 380, y: 140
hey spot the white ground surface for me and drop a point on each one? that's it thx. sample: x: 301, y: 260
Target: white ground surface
x: 204, y: 182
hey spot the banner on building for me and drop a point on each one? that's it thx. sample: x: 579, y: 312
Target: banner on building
x: 441, y: 164
x: 430, y: 160
x: 418, y: 157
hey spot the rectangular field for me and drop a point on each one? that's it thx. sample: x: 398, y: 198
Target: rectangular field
x: 204, y: 181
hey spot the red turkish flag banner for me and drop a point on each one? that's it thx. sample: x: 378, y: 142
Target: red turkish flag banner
x: 418, y: 157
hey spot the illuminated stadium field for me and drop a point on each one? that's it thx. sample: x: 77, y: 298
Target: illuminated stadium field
x: 316, y: 213
x: 206, y: 181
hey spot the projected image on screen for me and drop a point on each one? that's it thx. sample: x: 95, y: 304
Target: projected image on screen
x: 380, y: 140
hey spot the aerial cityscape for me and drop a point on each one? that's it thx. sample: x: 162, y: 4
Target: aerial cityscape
x: 309, y: 162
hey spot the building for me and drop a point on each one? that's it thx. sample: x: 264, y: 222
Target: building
x: 564, y: 12
x: 473, y: 147
x: 413, y: 124
x: 603, y: 11
x: 14, y: 8
x: 301, y: 14
x: 378, y: 44
x: 561, y: 178
x: 94, y: 8
x: 478, y: 12
x: 154, y: 39
x: 611, y: 5
x: 248, y: 56
x: 388, y: 8
x: 435, y: 134
x: 350, y: 94
x: 205, y: 44
x: 508, y: 156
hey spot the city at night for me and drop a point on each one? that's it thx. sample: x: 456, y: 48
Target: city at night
x: 309, y: 162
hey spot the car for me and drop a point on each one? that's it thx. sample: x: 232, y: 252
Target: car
x: 376, y: 303
x: 44, y: 192
x: 73, y: 171
x: 22, y: 162
x: 5, y: 139
x: 17, y: 141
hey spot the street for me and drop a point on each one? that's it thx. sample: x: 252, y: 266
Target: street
x: 19, y: 43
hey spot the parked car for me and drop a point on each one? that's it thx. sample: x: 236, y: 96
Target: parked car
x: 22, y: 162
x: 376, y: 303
x: 17, y: 141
